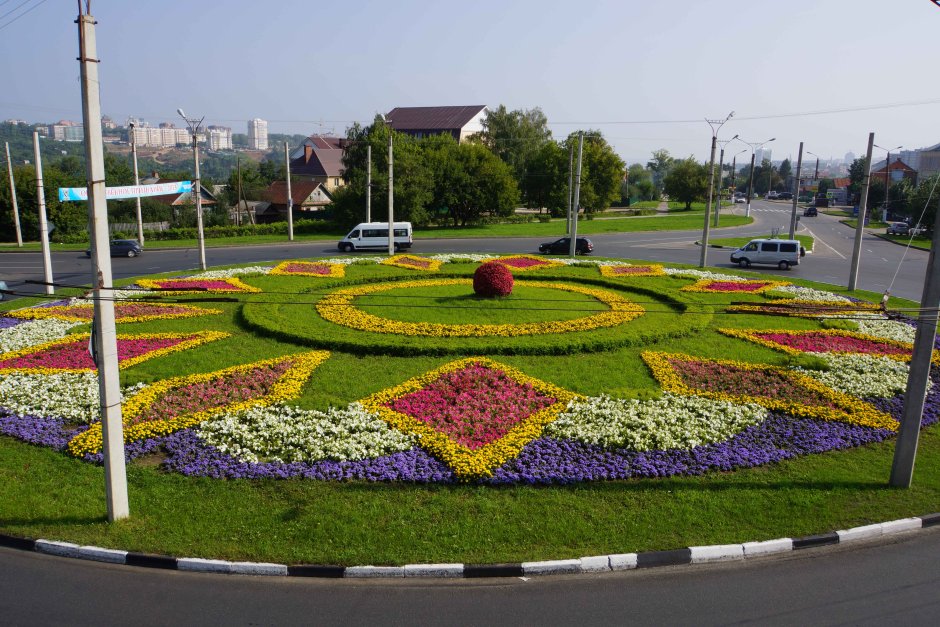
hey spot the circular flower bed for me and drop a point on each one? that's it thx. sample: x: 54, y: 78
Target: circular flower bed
x: 492, y: 279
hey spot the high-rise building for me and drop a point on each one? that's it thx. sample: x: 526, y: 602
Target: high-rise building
x: 220, y: 138
x: 849, y: 158
x: 258, y: 134
x: 763, y: 153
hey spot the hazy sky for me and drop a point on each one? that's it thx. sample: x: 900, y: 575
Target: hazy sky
x: 645, y: 73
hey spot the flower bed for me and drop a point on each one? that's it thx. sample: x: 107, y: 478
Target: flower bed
x: 338, y: 308
x: 522, y: 263
x: 183, y: 286
x: 733, y: 287
x: 70, y: 354
x: 413, y: 262
x: 309, y: 268
x: 808, y: 309
x: 826, y: 341
x: 123, y: 312
x: 625, y: 271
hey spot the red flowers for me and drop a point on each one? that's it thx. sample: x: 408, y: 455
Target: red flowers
x: 492, y: 279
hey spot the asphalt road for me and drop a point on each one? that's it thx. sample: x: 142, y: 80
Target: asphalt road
x: 830, y: 262
x: 892, y: 581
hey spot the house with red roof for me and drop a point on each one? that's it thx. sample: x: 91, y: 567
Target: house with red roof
x: 461, y: 122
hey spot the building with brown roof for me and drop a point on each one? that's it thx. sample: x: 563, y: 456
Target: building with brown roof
x: 320, y: 159
x: 460, y: 122
x: 895, y: 171
x: 308, y: 197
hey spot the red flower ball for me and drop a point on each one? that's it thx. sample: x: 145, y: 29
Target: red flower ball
x: 492, y: 279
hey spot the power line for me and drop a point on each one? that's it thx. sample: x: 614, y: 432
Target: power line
x: 35, y: 6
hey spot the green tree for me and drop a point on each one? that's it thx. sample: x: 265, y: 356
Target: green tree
x: 601, y: 171
x: 659, y: 166
x: 515, y: 137
x: 546, y: 184
x: 785, y: 171
x: 687, y: 181
x: 856, y: 176
x: 638, y: 184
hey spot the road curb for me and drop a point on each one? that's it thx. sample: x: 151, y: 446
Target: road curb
x: 689, y: 556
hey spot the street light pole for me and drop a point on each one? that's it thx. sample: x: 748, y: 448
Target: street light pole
x: 391, y: 195
x: 194, y: 124
x: 16, y: 209
x: 290, y: 197
x: 715, y: 126
x: 43, y: 225
x: 796, y: 192
x: 573, y: 234
x: 140, y: 217
x: 862, y: 208
x: 368, y: 183
x: 884, y: 213
x: 750, y: 179
x: 721, y: 176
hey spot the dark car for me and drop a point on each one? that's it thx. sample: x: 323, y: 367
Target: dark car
x: 563, y: 246
x: 810, y: 212
x: 784, y: 196
x: 122, y: 248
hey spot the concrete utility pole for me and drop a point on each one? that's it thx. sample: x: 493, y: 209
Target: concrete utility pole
x: 290, y: 198
x: 715, y: 126
x: 573, y: 244
x: 391, y: 197
x: 368, y: 183
x: 862, y: 208
x: 105, y: 335
x: 796, y: 191
x: 570, y: 186
x: 43, y: 225
x: 197, y: 186
x: 16, y: 209
x: 140, y: 216
x: 905, y: 449
x: 721, y: 165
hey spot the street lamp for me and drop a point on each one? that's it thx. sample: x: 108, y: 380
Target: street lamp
x: 816, y: 173
x: 750, y: 181
x: 734, y: 174
x: 721, y: 164
x: 884, y: 214
x: 194, y: 125
x: 715, y: 126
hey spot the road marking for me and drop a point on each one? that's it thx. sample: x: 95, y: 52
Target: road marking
x: 823, y: 242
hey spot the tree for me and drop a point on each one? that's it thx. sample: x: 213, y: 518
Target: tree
x: 785, y: 171
x: 856, y: 176
x: 638, y: 184
x: 601, y: 171
x: 659, y: 166
x: 687, y: 181
x: 924, y: 200
x: 546, y: 184
x: 515, y: 137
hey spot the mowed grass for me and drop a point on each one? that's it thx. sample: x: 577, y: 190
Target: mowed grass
x: 49, y: 495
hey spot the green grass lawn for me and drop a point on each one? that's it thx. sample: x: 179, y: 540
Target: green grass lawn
x: 50, y: 495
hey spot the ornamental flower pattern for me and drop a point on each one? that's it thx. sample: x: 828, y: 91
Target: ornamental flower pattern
x: 183, y: 402
x: 338, y: 307
x: 628, y: 271
x: 196, y: 285
x: 733, y: 287
x: 310, y: 268
x: 123, y: 312
x: 413, y: 262
x: 70, y: 354
x: 522, y: 263
x: 827, y: 341
x: 806, y: 309
x: 472, y: 414
x: 769, y: 386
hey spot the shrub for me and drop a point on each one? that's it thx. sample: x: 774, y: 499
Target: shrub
x: 492, y: 279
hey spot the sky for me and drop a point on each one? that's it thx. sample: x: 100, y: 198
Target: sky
x: 646, y: 74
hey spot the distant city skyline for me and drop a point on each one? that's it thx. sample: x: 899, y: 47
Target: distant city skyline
x: 645, y: 76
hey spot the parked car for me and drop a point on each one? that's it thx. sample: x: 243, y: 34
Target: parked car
x: 785, y: 196
x: 563, y: 246
x: 810, y: 212
x: 3, y: 286
x: 782, y: 253
x: 771, y: 195
x: 899, y: 228
x: 740, y: 199
x: 122, y: 248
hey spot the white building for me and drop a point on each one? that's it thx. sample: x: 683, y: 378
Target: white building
x: 258, y: 134
x: 166, y: 136
x: 220, y: 138
x: 66, y: 131
x: 763, y: 153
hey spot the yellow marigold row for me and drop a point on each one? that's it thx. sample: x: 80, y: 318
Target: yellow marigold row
x: 469, y: 463
x: 702, y: 285
x: 64, y: 312
x: 165, y: 285
x: 753, y: 335
x: 288, y: 386
x: 653, y: 270
x: 337, y: 270
x: 194, y: 338
x: 408, y: 261
x: 853, y: 410
x: 811, y: 309
x: 338, y: 308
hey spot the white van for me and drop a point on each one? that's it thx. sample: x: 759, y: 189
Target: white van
x: 375, y: 235
x: 782, y: 253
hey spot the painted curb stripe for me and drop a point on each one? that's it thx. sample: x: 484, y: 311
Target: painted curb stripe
x: 313, y: 570
x: 492, y: 570
x: 17, y: 543
x: 930, y: 520
x: 821, y: 539
x: 664, y: 558
x: 150, y: 561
